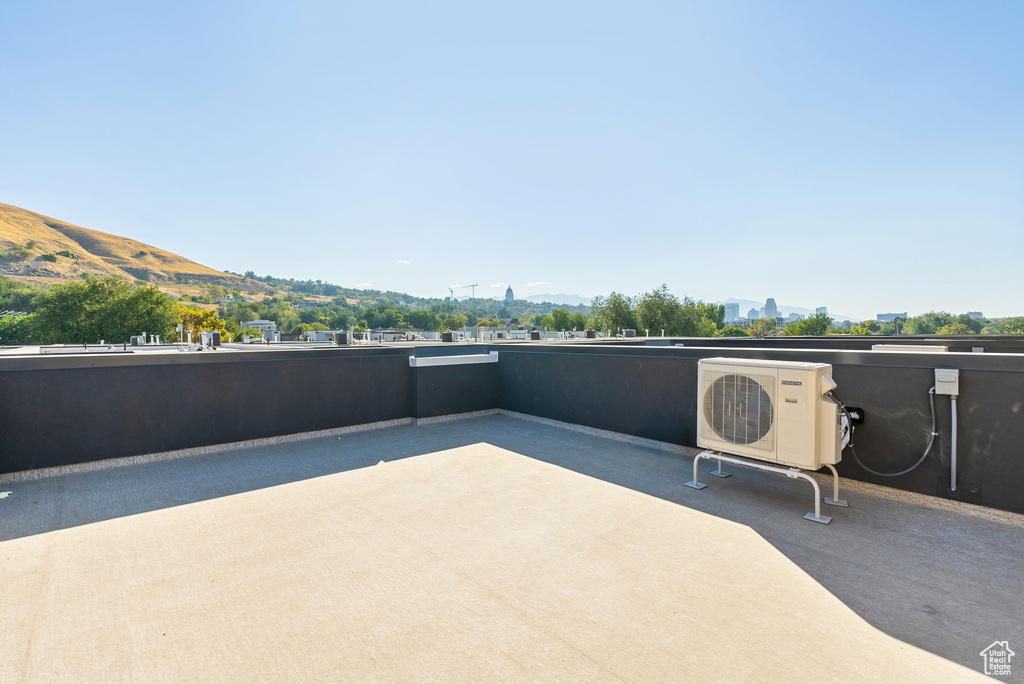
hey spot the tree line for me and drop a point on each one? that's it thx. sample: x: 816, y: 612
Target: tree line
x: 931, y: 323
x: 92, y: 309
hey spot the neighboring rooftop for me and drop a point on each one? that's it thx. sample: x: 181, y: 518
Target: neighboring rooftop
x: 489, y: 548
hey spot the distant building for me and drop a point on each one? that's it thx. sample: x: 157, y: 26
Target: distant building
x: 975, y: 314
x: 887, y: 317
x: 268, y: 328
x: 732, y: 312
x: 821, y: 310
x: 794, y: 317
x: 770, y: 309
x: 779, y: 321
x: 320, y: 335
x: 753, y: 314
x: 509, y: 297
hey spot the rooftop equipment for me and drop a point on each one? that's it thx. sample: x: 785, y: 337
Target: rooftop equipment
x: 776, y: 412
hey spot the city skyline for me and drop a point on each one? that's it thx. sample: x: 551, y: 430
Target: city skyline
x: 868, y: 156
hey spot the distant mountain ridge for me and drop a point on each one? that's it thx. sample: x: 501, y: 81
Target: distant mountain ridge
x: 44, y: 250
x: 568, y: 299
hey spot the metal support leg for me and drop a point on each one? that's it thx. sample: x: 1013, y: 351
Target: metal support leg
x: 835, y: 500
x: 695, y: 483
x: 720, y: 472
x: 816, y: 516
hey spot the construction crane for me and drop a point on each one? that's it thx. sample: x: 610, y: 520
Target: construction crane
x: 473, y: 296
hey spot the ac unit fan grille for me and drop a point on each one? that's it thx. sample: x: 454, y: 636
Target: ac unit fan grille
x: 738, y: 409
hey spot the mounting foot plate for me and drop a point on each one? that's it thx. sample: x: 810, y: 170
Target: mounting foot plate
x: 829, y: 501
x: 824, y: 520
x: 719, y: 473
x: 695, y: 485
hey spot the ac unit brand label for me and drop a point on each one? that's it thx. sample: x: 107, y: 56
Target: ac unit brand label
x: 792, y: 382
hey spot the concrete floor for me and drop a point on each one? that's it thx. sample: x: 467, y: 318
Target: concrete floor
x: 488, y: 549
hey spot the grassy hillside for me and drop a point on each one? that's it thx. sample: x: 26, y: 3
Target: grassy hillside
x: 42, y: 250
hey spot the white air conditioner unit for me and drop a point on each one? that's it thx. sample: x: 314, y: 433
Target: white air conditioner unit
x: 773, y: 411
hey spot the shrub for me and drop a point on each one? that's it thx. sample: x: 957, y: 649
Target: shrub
x: 49, y: 257
x: 15, y: 254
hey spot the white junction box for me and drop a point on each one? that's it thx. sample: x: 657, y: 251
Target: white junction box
x: 947, y: 381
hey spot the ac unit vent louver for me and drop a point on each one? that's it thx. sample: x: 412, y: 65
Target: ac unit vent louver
x: 738, y: 408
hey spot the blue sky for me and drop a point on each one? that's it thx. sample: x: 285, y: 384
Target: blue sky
x: 864, y: 156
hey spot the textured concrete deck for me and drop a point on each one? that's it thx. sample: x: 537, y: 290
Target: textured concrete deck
x: 467, y: 557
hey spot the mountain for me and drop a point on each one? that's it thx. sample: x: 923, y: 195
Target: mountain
x: 748, y: 304
x: 567, y: 299
x: 43, y: 250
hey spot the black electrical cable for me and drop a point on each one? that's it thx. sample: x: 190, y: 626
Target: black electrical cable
x: 927, y: 449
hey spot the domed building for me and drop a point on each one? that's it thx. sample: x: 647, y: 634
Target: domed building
x: 509, y: 297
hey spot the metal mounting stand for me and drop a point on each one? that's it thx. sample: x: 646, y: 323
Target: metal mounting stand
x: 794, y: 473
x: 834, y: 500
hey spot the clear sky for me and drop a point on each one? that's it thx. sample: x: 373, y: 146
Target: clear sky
x: 867, y: 156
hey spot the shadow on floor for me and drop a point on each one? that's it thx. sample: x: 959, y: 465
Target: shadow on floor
x: 945, y: 582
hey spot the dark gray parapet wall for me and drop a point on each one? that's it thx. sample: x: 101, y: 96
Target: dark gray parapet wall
x: 69, y: 409
x: 66, y: 410
x: 1000, y: 344
x: 448, y: 384
x: 63, y: 410
x: 650, y: 391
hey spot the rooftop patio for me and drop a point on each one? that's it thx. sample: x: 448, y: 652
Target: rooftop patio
x: 490, y: 548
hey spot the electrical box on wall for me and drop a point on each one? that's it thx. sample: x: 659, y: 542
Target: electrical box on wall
x: 947, y: 381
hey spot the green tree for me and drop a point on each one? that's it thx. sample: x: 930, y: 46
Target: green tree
x: 929, y: 323
x: 954, y: 329
x: 733, y: 331
x: 560, y: 319
x: 1007, y: 326
x: 866, y: 328
x: 17, y: 330
x: 614, y: 313
x: 578, y: 321
x: 893, y: 327
x: 660, y: 310
x: 818, y: 324
x: 15, y: 296
x: 424, y: 319
x: 762, y: 327
x: 454, y: 322
x: 200, y: 320
x: 102, y: 309
x: 712, y: 312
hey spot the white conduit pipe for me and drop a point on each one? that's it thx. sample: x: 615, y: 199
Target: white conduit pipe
x: 952, y: 451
